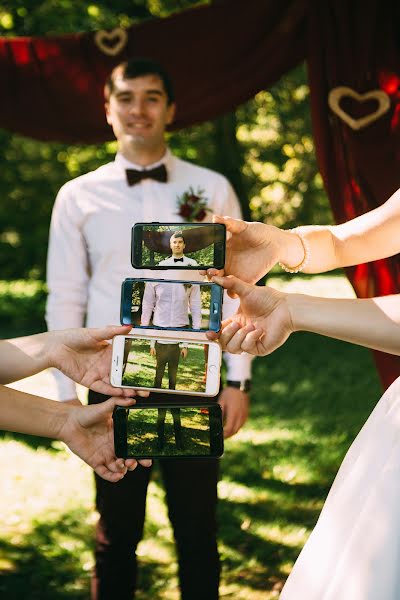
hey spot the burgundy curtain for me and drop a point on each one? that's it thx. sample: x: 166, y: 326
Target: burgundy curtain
x: 356, y: 44
x: 219, y: 55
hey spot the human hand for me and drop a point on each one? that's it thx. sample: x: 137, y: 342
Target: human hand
x: 262, y: 322
x: 235, y: 409
x: 252, y: 249
x: 184, y: 353
x: 88, y: 431
x: 84, y: 355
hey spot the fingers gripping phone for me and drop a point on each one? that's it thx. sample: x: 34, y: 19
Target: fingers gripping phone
x: 164, y: 364
x: 165, y: 430
x: 178, y: 245
x: 169, y: 304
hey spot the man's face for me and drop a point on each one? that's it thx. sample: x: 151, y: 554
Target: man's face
x: 177, y: 246
x: 138, y: 111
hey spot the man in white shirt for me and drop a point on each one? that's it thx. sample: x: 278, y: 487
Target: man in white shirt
x: 88, y: 258
x: 177, y: 245
x: 171, y: 304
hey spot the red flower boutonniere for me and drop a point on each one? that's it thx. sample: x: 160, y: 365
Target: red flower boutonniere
x: 192, y: 205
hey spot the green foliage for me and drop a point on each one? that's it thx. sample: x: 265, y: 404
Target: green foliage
x: 22, y: 306
x: 265, y: 148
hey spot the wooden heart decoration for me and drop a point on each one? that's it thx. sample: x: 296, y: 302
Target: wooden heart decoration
x: 111, y: 42
x: 338, y: 93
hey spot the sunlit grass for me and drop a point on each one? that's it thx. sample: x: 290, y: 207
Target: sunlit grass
x: 309, y: 400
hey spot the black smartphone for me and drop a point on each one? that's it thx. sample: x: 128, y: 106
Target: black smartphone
x: 168, y: 430
x: 171, y: 305
x: 178, y: 246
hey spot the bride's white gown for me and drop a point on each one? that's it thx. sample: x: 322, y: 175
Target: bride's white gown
x: 354, y: 551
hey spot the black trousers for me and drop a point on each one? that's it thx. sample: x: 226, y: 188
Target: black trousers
x: 191, y: 493
x: 167, y: 354
x: 176, y: 416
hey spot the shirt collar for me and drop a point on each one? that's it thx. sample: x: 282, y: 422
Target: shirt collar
x: 124, y: 163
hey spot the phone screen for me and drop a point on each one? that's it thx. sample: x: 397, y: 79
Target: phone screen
x: 178, y: 245
x: 165, y: 430
x: 160, y: 304
x: 165, y: 365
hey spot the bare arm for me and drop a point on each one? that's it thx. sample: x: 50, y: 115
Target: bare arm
x: 84, y: 355
x: 372, y: 236
x: 266, y: 318
x: 373, y: 322
x: 254, y: 248
x: 87, y: 430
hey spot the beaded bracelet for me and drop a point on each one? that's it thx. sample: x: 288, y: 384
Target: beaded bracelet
x: 306, y: 258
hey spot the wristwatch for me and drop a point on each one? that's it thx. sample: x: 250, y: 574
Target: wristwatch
x: 243, y: 386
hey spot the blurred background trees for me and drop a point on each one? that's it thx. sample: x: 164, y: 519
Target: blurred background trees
x: 265, y: 147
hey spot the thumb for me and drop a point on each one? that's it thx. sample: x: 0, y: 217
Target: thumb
x: 107, y: 333
x: 233, y: 285
x: 232, y: 225
x: 111, y: 403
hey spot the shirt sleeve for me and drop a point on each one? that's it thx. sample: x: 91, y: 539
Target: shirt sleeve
x: 238, y: 365
x: 148, y: 303
x: 195, y: 306
x: 67, y: 276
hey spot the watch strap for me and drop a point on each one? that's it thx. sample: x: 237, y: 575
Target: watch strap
x: 243, y: 386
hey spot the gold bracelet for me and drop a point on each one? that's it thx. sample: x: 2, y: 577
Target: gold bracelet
x: 306, y: 258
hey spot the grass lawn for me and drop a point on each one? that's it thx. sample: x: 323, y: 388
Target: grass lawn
x: 141, y: 368
x: 309, y: 400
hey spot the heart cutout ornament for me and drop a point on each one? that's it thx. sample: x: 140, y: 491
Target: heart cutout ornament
x: 338, y: 93
x: 111, y: 42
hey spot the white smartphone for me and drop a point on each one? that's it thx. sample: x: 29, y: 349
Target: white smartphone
x: 177, y: 365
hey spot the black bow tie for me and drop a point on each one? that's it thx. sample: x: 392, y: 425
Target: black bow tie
x: 134, y: 176
x: 178, y: 259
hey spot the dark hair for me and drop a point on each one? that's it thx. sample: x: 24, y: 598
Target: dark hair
x: 139, y: 67
x: 177, y: 234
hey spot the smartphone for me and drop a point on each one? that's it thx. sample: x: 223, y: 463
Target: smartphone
x: 163, y: 364
x: 178, y: 246
x: 164, y: 430
x: 171, y: 305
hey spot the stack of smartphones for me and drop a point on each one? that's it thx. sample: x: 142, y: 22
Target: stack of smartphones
x: 168, y: 353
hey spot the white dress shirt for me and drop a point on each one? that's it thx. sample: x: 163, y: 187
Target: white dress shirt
x: 90, y: 243
x: 185, y: 262
x: 170, y: 303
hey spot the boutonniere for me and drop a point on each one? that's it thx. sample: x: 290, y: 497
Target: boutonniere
x: 192, y: 205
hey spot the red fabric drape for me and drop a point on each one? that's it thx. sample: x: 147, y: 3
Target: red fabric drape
x: 355, y: 44
x: 219, y: 55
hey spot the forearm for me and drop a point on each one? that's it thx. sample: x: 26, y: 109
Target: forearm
x: 30, y: 414
x: 25, y: 356
x: 372, y: 236
x: 374, y: 322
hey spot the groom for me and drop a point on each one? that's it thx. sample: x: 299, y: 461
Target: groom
x: 88, y: 258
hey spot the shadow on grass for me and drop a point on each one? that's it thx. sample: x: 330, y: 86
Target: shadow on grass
x: 48, y: 563
x: 45, y: 564
x: 322, y: 385
x: 32, y: 441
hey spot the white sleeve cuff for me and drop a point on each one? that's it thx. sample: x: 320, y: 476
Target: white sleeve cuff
x: 238, y: 366
x: 66, y: 388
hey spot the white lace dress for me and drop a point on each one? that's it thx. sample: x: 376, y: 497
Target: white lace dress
x: 353, y: 552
